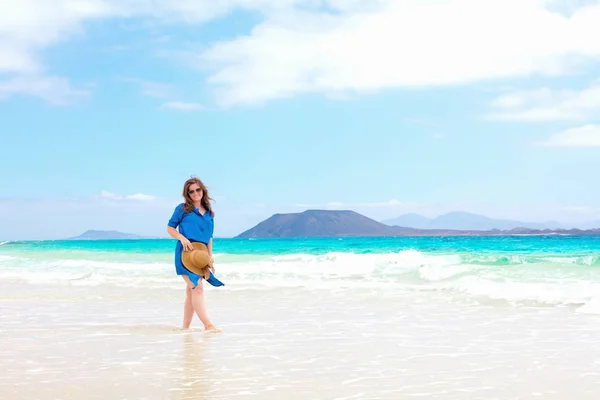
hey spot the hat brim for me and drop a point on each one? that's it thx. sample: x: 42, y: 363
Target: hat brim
x: 193, y: 267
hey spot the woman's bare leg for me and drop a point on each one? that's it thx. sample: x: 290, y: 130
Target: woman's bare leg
x: 197, y: 305
x: 188, y: 308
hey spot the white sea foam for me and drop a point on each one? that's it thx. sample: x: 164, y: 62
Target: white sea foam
x: 577, y: 293
x: 591, y: 307
x: 584, y: 260
x: 549, y: 281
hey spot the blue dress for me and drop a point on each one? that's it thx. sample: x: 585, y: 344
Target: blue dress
x: 196, y: 227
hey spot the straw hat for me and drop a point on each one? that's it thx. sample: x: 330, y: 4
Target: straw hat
x: 197, y: 260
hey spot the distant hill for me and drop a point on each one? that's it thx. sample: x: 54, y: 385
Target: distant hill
x: 461, y: 220
x: 105, y: 235
x: 332, y: 223
x: 411, y: 220
x: 318, y: 223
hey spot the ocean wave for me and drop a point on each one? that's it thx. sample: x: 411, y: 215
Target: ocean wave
x: 574, y: 293
x: 517, y: 259
x: 485, y: 278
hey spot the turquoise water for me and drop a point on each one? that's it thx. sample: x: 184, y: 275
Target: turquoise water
x: 547, y: 270
x: 553, y: 244
x: 507, y: 249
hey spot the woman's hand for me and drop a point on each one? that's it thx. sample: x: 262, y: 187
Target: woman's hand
x: 211, y: 264
x: 187, y: 245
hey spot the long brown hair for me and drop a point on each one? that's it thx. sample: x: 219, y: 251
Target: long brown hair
x: 206, y: 199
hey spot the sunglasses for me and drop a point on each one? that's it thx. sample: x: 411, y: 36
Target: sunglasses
x: 191, y: 192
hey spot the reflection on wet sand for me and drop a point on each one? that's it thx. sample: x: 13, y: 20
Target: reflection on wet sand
x: 195, y: 379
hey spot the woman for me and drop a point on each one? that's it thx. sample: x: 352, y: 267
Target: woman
x: 194, y: 218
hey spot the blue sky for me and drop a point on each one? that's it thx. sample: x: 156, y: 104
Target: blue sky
x: 384, y: 107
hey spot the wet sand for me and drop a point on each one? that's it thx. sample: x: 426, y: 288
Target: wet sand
x: 104, y: 342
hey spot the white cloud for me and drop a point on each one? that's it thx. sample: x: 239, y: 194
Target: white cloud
x: 109, y: 195
x: 339, y: 204
x: 138, y: 196
x: 153, y: 89
x: 401, y: 44
x: 27, y: 26
x: 335, y: 46
x: 549, y: 105
x: 183, y: 106
x: 194, y: 11
x: 582, y: 210
x: 54, y: 90
x: 584, y: 136
x: 13, y: 58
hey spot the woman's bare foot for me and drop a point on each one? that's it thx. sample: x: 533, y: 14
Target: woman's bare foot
x: 212, y: 328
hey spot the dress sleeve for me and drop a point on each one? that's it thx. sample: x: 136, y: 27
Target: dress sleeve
x: 212, y: 227
x: 176, y: 217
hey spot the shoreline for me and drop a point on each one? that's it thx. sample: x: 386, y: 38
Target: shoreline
x: 290, y: 344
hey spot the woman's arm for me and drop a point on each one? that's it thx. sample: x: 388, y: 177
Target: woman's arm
x: 176, y: 235
x: 212, y: 261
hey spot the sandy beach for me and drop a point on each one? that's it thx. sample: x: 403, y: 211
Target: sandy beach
x: 67, y: 342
